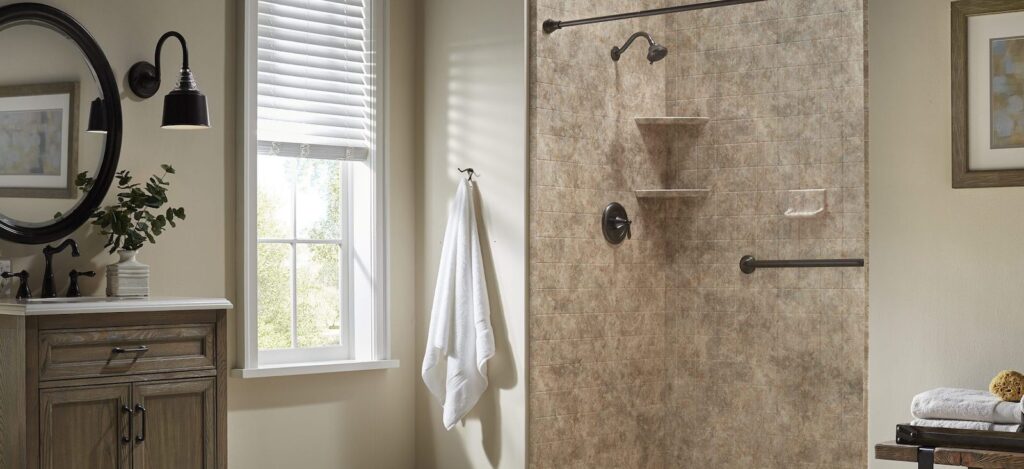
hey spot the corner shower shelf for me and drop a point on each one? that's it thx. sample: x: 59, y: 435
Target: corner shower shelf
x: 676, y: 121
x: 671, y: 193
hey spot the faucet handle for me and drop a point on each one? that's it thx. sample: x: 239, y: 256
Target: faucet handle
x: 73, y: 290
x: 23, y: 291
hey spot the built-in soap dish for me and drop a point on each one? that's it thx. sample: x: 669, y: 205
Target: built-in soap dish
x: 805, y: 203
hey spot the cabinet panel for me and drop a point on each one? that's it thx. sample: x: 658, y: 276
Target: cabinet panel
x: 175, y: 424
x: 84, y: 427
x: 112, y: 351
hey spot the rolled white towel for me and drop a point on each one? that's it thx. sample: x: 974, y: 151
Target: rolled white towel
x: 966, y: 425
x: 965, y: 404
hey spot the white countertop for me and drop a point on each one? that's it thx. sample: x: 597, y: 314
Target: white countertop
x: 99, y: 304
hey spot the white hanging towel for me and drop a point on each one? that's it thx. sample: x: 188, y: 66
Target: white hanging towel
x: 460, y: 339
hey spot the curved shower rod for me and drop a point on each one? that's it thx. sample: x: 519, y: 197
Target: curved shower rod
x: 551, y: 26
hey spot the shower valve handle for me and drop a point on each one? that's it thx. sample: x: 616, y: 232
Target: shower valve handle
x: 615, y: 224
x: 626, y: 223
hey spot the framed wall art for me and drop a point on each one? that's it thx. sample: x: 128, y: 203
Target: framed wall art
x: 988, y: 93
x: 38, y: 140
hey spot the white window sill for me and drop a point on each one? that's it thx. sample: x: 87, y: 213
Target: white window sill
x: 295, y: 369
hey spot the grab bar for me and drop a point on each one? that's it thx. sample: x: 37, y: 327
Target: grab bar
x: 748, y: 264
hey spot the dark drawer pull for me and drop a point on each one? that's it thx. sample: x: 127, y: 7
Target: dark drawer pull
x: 131, y: 423
x: 139, y: 349
x: 141, y: 410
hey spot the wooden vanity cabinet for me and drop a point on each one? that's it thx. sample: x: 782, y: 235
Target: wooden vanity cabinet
x: 83, y: 426
x: 141, y: 390
x: 179, y: 428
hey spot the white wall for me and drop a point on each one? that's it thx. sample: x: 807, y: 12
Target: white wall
x: 343, y: 420
x: 946, y: 272
x: 473, y: 55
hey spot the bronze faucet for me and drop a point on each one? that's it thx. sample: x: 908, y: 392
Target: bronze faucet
x: 49, y: 288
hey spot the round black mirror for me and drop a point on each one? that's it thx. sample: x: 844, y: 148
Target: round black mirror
x: 60, y: 116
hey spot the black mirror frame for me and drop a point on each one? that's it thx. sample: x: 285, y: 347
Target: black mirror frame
x: 68, y: 26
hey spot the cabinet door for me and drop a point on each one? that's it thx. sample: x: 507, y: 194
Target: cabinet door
x: 175, y: 424
x: 85, y: 427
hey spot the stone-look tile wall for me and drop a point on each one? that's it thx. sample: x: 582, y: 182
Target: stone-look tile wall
x: 659, y: 352
x: 597, y: 313
x: 777, y: 359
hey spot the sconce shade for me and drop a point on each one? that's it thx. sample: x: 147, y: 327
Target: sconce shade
x: 185, y: 107
x: 97, y: 118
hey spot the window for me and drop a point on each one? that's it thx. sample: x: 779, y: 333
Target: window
x: 313, y: 182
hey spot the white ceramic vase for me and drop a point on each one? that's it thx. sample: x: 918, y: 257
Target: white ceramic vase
x: 128, y: 277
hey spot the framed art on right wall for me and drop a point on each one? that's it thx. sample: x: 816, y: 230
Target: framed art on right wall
x: 988, y: 93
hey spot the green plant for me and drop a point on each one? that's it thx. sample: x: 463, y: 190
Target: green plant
x: 137, y: 217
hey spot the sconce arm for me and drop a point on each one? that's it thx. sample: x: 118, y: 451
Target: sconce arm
x: 160, y: 45
x: 144, y: 77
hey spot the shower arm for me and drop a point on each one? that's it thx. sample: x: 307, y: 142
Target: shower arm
x: 551, y: 26
x: 617, y: 51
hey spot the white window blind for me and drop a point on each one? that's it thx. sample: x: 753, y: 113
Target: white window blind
x: 312, y: 97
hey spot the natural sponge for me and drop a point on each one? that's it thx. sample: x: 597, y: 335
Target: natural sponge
x: 1008, y: 385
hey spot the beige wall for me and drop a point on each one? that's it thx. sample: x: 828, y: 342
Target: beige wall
x: 945, y: 278
x: 473, y: 61
x: 204, y: 160
x: 345, y: 420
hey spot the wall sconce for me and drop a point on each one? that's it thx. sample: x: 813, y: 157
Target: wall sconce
x: 97, y: 118
x: 184, y: 107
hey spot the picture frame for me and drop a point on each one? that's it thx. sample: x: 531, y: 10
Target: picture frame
x: 39, y: 140
x: 987, y: 39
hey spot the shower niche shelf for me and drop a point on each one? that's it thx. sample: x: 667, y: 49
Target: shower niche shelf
x: 671, y: 121
x: 671, y: 193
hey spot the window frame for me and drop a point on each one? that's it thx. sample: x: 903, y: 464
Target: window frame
x: 369, y: 344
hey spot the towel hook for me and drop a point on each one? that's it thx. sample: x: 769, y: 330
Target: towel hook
x: 470, y: 171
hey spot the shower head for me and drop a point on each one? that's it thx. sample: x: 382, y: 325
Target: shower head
x: 655, y: 51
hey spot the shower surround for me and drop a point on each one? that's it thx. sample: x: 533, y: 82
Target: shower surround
x: 659, y: 352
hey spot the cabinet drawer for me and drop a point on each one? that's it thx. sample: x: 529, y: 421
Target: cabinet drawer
x: 89, y: 353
